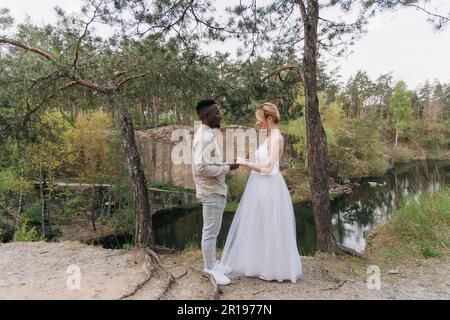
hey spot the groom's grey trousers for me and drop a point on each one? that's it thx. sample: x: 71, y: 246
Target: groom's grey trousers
x: 211, y: 188
x: 213, y: 206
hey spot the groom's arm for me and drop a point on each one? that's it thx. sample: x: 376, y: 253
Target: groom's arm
x: 201, y: 166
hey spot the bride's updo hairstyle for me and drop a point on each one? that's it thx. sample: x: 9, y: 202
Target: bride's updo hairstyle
x: 269, y: 109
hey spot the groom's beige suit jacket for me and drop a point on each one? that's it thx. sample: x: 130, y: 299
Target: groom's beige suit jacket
x: 208, y: 168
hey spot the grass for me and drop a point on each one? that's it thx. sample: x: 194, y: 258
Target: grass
x: 191, y: 253
x: 231, y: 206
x: 417, y: 229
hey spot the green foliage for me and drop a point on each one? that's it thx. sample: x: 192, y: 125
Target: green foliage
x: 430, y: 135
x: 354, y: 145
x: 25, y: 234
x: 32, y: 212
x: 192, y: 246
x: 51, y: 151
x: 127, y: 246
x: 236, y: 186
x: 11, y: 182
x: 401, y: 107
x: 297, y: 128
x: 428, y: 251
x: 13, y: 186
x: 123, y: 220
x: 425, y: 224
x: 5, y: 19
x: 361, y: 144
x: 401, y: 154
x: 71, y: 206
x: 89, y: 147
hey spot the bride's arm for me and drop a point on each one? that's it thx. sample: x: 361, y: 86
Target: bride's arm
x: 275, y: 153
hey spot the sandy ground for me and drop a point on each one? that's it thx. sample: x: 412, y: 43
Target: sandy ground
x: 40, y: 271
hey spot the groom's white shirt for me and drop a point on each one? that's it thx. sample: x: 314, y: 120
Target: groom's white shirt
x: 208, y: 168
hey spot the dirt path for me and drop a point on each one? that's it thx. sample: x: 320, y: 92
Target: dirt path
x: 39, y: 271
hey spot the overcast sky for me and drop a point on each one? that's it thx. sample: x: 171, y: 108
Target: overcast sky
x: 400, y: 42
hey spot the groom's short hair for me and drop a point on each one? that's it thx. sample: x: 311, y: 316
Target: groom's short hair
x: 203, y: 104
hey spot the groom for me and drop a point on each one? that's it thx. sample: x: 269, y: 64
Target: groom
x: 209, y: 173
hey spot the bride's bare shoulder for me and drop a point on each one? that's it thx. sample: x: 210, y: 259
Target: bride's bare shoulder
x: 278, y: 136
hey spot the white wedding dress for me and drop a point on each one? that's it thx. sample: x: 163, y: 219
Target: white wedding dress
x: 262, y: 238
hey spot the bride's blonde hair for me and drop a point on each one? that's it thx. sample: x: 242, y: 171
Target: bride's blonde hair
x: 269, y: 109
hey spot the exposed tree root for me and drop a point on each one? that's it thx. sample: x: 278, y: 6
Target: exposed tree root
x: 183, y: 274
x: 151, y: 258
x: 343, y: 250
x: 328, y: 277
x: 162, y: 249
x: 149, y: 269
x: 170, y: 280
x: 340, y: 284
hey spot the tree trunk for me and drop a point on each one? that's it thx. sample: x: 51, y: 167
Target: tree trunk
x: 142, y: 120
x: 41, y: 193
x: 91, y: 207
x: 143, y: 233
x: 396, y: 134
x: 49, y: 199
x: 316, y: 138
x: 21, y: 203
x: 156, y: 107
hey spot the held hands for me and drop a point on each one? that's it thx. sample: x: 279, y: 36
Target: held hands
x: 241, y: 161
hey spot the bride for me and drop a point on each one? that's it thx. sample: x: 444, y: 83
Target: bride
x: 262, y: 237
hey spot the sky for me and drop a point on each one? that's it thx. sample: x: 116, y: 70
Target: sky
x: 401, y: 42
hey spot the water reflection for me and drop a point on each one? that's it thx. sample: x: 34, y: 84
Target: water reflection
x: 354, y: 214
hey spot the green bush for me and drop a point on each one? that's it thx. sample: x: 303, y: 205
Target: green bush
x: 33, y: 212
x: 429, y: 135
x: 25, y: 234
x: 123, y: 220
x: 71, y: 207
x: 236, y: 186
x: 401, y: 154
x: 378, y: 167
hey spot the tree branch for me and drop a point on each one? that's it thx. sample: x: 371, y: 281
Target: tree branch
x: 121, y: 83
x: 283, y: 68
x: 50, y: 96
x: 77, y: 51
x: 412, y: 5
x: 94, y: 86
x: 302, y: 10
x: 27, y: 48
